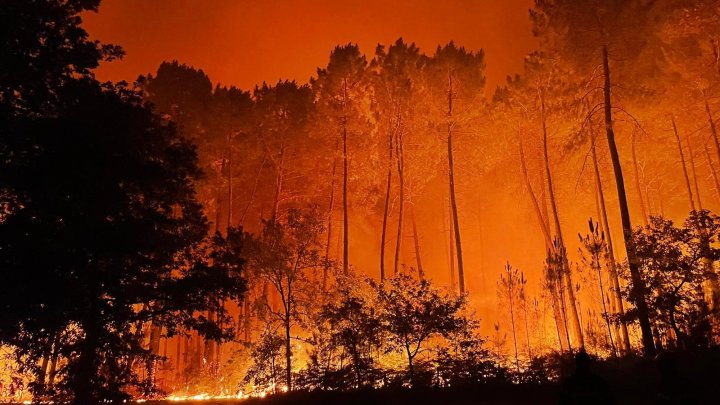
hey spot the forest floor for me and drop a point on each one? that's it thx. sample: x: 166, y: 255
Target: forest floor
x: 539, y: 395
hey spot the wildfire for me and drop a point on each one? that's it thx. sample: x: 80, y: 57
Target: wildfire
x: 254, y: 393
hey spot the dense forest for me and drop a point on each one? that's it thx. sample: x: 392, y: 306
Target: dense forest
x: 392, y: 223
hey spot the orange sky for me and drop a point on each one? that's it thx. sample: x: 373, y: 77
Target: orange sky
x: 244, y: 42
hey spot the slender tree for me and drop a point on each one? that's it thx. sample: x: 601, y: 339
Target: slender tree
x: 340, y: 89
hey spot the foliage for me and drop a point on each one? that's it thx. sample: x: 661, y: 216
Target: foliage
x: 267, y: 368
x: 355, y: 326
x: 672, y: 263
x: 413, y: 312
x: 44, y: 48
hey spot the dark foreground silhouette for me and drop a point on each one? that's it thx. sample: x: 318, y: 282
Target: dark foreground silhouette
x: 679, y: 378
x: 584, y: 387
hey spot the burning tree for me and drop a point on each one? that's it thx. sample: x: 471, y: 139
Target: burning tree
x: 282, y: 256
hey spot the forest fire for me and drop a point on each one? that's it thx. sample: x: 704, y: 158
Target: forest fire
x: 402, y: 227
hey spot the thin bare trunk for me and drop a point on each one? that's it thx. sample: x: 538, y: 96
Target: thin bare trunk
x: 527, y: 329
x: 694, y: 173
x: 545, y: 228
x: 401, y: 212
x: 563, y: 308
x: 713, y: 171
x: 711, y: 286
x: 230, y: 188
x: 346, y: 252
x: 541, y: 219
x: 453, y: 276
x: 575, y: 318
x: 684, y: 166
x: 451, y: 177
x: 331, y: 206
x: 611, y: 254
x: 637, y: 293
x: 558, y: 317
x: 713, y: 128
x: 416, y: 238
x: 279, y: 174
x: 218, y: 344
x: 447, y: 248
x: 606, y: 314
x: 615, y: 330
x: 643, y: 212
x: 178, y: 361
x: 254, y: 189
x: 481, y: 250
x: 387, y: 206
x: 209, y: 352
x: 288, y: 356
x: 510, y: 293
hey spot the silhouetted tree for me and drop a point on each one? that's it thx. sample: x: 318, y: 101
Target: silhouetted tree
x: 44, y: 47
x: 671, y: 261
x: 413, y: 311
x: 106, y: 218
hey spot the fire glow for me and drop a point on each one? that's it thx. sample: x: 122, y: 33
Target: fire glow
x: 404, y: 218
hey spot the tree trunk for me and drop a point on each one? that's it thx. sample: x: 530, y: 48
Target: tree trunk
x: 218, y: 344
x: 187, y: 344
x: 563, y: 308
x: 53, y: 361
x: 481, y: 250
x: 606, y: 314
x: 684, y: 166
x: 230, y: 187
x: 545, y: 228
x: 209, y: 351
x: 416, y: 238
x: 542, y: 222
x: 451, y: 178
x: 449, y: 254
x: 346, y: 252
x: 553, y: 205
x: 246, y: 328
x: 278, y: 183
x: 512, y: 315
x: 43, y: 369
x: 713, y: 171
x: 411, y: 367
x: 714, y: 294
x: 638, y: 293
x: 254, y: 189
x: 331, y: 206
x: 178, y: 364
x: 387, y: 207
x: 713, y: 128
x: 453, y: 274
x: 611, y: 255
x: 694, y: 173
x: 558, y: 317
x: 81, y: 381
x: 643, y: 212
x: 401, y: 212
x: 527, y: 329
x: 288, y: 354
